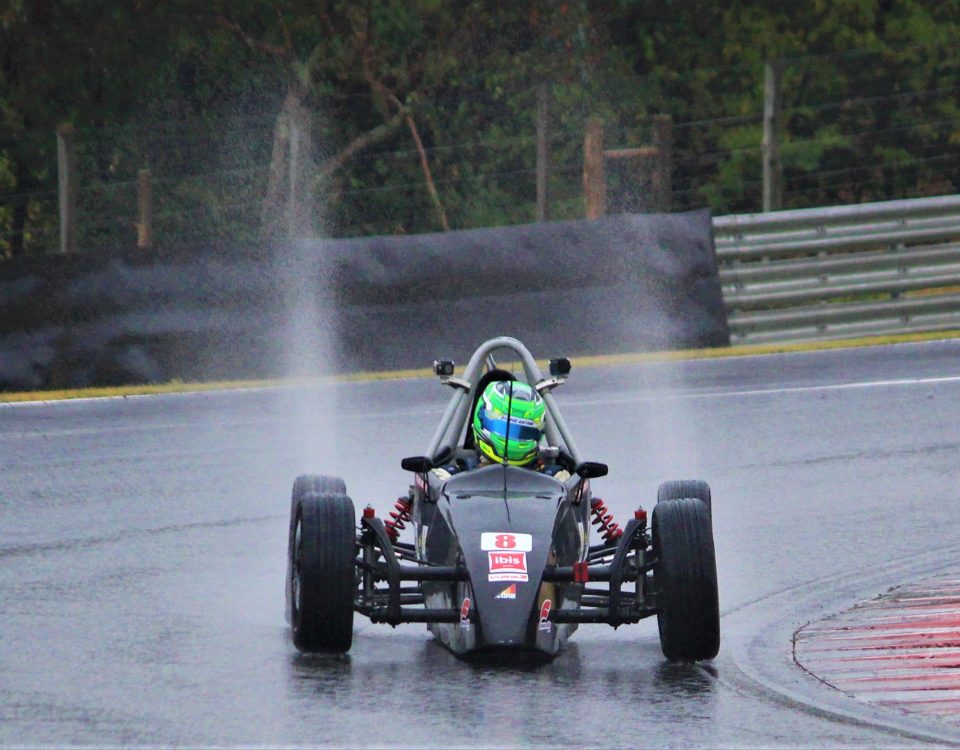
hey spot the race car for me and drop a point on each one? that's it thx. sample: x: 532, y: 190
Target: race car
x: 501, y: 556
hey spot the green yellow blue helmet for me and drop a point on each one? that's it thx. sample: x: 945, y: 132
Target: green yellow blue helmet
x: 526, y: 412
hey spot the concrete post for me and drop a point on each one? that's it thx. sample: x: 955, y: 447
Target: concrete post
x: 543, y: 114
x: 772, y: 166
x: 144, y: 209
x: 661, y: 185
x: 594, y: 182
x: 67, y: 187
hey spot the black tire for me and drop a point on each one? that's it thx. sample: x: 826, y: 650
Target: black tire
x: 680, y: 488
x: 322, y: 572
x: 685, y: 579
x: 325, y: 485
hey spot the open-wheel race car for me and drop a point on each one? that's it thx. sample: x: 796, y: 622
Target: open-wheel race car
x: 501, y: 556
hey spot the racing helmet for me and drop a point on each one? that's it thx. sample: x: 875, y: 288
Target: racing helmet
x: 526, y: 412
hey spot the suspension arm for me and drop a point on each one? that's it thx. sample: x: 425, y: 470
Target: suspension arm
x: 412, y: 614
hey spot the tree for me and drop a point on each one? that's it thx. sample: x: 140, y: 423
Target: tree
x: 418, y: 115
x: 394, y: 51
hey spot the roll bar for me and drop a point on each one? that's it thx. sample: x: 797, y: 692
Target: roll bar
x: 455, y: 416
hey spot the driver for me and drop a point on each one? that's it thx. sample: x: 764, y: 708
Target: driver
x: 509, y: 405
x: 514, y: 440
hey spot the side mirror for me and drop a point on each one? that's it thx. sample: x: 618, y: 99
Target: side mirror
x: 591, y: 469
x: 416, y: 464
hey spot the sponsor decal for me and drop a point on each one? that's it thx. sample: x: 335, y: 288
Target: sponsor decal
x: 510, y: 592
x: 465, y: 613
x: 501, y: 540
x: 507, y: 566
x: 545, y: 623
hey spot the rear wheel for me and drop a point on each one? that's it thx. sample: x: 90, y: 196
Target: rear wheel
x: 685, y: 579
x: 322, y: 572
x: 680, y: 488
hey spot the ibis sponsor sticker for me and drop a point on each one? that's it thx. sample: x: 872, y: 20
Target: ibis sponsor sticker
x: 545, y: 623
x: 502, y: 540
x: 507, y: 566
x: 510, y: 592
x: 465, y: 614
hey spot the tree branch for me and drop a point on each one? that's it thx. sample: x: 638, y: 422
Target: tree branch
x: 288, y: 42
x: 234, y: 28
x: 424, y: 163
x: 360, y: 142
x: 425, y: 166
x: 313, y: 61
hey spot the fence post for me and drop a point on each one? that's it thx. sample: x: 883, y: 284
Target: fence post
x: 144, y: 209
x: 543, y: 114
x: 594, y: 184
x: 772, y: 166
x: 67, y: 187
x: 293, y: 179
x: 661, y: 185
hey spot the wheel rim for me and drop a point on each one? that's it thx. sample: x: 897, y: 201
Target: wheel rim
x: 295, y: 582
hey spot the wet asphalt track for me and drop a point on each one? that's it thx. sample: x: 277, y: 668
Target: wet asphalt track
x: 142, y: 552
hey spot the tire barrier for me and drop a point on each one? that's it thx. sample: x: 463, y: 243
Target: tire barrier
x: 620, y: 283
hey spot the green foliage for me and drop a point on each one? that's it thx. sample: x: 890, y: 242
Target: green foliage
x: 192, y: 90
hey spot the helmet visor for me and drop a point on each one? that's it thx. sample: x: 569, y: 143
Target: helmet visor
x: 519, y: 429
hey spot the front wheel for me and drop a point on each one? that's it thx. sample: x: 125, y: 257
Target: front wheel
x: 685, y: 579
x: 325, y: 485
x: 680, y: 488
x: 322, y: 556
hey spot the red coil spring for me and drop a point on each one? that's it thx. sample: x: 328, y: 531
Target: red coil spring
x: 400, y: 517
x: 603, y: 520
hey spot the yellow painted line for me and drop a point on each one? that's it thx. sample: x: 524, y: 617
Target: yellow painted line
x: 132, y: 390
x: 752, y: 350
x: 600, y: 360
x: 745, y: 350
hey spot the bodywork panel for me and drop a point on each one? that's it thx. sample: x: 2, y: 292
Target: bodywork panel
x: 505, y: 524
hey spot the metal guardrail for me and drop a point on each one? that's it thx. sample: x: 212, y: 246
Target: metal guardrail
x: 837, y: 272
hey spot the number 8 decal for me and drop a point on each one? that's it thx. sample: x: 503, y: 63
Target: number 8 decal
x: 503, y: 541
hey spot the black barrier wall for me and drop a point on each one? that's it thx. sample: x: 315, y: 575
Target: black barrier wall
x: 621, y: 283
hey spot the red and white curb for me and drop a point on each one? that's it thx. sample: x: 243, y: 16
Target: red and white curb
x: 901, y: 649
